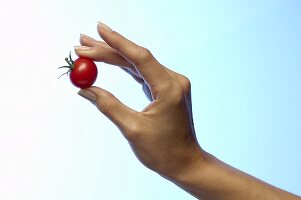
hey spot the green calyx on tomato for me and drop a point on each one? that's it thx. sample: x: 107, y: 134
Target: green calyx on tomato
x: 71, y: 65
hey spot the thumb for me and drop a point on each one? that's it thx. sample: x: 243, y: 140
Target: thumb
x: 110, y: 106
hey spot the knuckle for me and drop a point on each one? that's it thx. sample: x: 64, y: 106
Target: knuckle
x: 183, y: 81
x: 186, y: 84
x: 100, y: 54
x: 105, y: 106
x: 144, y: 55
x: 100, y: 58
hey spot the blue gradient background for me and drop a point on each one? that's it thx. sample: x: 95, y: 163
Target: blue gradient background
x: 242, y: 57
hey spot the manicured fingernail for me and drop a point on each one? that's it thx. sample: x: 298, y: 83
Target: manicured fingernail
x: 87, y: 95
x: 83, y: 36
x: 105, y: 27
x: 82, y: 48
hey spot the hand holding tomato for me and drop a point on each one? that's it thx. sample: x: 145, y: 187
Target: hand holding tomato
x: 162, y: 135
x: 83, y: 71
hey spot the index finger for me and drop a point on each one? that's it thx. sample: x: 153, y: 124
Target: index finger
x: 148, y: 67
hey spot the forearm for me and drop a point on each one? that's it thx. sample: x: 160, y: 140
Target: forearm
x: 211, y: 179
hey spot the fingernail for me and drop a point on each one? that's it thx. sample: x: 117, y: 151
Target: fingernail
x: 83, y: 36
x: 105, y: 27
x: 82, y: 48
x: 87, y: 95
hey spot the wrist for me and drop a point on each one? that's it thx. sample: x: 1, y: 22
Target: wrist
x: 191, y: 168
x: 191, y: 175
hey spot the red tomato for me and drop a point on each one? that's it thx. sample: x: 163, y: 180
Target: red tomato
x: 83, y: 71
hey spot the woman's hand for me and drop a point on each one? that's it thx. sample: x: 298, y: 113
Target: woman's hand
x: 162, y: 135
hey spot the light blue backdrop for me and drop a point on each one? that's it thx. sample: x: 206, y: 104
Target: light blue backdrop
x: 242, y: 57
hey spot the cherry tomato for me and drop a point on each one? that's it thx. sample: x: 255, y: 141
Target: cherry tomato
x: 83, y: 71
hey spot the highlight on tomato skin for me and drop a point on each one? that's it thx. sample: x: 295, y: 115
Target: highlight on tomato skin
x: 83, y: 71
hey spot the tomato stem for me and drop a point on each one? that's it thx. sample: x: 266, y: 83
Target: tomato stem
x: 64, y: 67
x: 70, y: 58
x: 64, y: 74
x: 70, y: 63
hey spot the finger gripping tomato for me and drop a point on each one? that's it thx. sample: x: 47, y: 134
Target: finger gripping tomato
x: 83, y: 71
